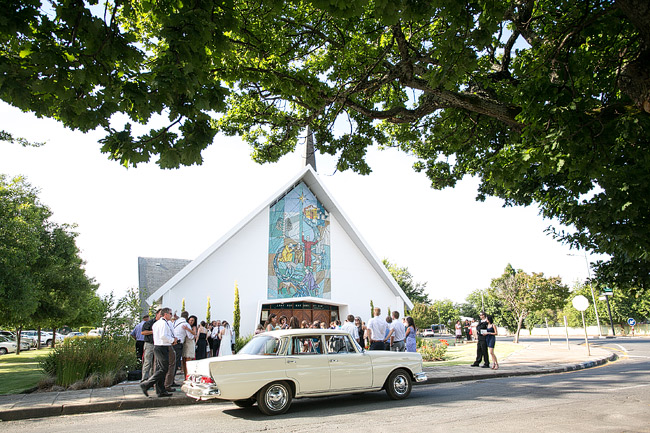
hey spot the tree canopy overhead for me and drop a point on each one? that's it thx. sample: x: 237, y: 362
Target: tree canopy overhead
x: 545, y: 101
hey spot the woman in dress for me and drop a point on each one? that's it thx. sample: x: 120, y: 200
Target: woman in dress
x: 490, y: 340
x: 189, y: 346
x: 202, y: 341
x: 271, y: 323
x: 459, y: 332
x: 411, y: 344
x: 226, y: 337
x: 294, y: 323
x: 359, y: 324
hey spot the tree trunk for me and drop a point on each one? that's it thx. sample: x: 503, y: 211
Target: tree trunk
x: 18, y: 330
x: 53, y: 337
x: 519, y: 323
x: 634, y: 79
x: 39, y: 337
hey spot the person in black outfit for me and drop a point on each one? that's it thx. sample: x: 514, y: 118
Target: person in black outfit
x: 202, y: 342
x: 481, y: 347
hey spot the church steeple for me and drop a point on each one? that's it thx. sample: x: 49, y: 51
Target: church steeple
x: 309, y: 156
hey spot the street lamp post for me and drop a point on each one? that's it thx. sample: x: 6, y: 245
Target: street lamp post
x: 593, y: 297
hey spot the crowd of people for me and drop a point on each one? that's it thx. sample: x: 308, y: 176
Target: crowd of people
x: 389, y: 333
x: 166, y: 342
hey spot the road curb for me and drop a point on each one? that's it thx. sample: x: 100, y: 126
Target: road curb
x: 541, y: 370
x: 75, y: 409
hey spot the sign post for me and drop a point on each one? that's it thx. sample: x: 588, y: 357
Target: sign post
x: 566, y: 331
x: 607, y: 292
x: 631, y: 322
x: 581, y: 303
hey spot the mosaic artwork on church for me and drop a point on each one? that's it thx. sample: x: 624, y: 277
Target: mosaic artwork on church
x: 299, y: 246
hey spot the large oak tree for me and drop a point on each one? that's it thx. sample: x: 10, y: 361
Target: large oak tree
x: 547, y: 102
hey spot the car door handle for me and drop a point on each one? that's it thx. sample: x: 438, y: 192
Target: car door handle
x: 291, y: 361
x: 334, y: 360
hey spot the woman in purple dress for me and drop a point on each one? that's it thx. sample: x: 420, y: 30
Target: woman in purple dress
x: 411, y: 345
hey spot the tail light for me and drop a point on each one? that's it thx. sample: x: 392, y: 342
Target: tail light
x: 206, y: 379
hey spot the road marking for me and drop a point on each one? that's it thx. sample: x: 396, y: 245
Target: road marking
x: 622, y: 348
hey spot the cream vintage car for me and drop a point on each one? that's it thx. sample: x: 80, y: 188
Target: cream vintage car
x: 276, y: 367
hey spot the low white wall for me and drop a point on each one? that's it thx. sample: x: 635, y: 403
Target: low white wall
x: 579, y: 332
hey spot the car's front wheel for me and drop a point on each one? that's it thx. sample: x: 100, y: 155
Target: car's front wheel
x: 399, y: 384
x: 275, y: 398
x: 3, y: 351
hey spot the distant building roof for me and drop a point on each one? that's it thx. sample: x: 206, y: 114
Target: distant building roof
x: 153, y: 272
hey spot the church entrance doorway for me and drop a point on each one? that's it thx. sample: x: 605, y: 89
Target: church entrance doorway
x: 304, y: 311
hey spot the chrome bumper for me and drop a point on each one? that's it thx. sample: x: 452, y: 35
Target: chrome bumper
x: 200, y: 391
x: 420, y: 377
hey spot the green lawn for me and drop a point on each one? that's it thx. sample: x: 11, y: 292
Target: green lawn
x: 466, y: 353
x: 19, y: 373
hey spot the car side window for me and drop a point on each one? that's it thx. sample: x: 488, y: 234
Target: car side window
x: 306, y: 345
x: 340, y: 344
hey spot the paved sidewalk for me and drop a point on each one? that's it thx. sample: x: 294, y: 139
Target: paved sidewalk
x: 531, y: 359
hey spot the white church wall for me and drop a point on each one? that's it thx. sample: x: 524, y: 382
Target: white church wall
x: 242, y: 259
x: 355, y: 282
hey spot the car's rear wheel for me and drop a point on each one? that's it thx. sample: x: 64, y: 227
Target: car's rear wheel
x: 244, y: 403
x: 3, y: 351
x: 275, y: 398
x: 399, y: 384
x: 48, y: 343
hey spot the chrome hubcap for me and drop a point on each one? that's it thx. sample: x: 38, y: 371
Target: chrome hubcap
x: 276, y: 397
x: 400, y: 384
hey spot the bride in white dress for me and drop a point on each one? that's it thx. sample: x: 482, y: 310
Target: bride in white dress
x: 225, y: 348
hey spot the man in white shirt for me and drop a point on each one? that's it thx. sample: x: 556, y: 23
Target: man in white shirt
x: 216, y: 337
x: 163, y: 339
x: 181, y: 328
x: 377, y: 327
x: 350, y: 328
x: 397, y: 334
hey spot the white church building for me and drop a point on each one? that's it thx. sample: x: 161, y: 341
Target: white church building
x: 297, y: 254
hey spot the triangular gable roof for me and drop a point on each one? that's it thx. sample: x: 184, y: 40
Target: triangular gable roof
x: 310, y: 178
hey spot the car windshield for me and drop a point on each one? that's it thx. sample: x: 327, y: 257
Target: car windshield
x: 261, y: 345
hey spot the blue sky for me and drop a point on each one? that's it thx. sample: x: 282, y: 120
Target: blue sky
x: 445, y: 238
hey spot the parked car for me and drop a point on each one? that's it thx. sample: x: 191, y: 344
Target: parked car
x: 25, y: 342
x: 7, y: 346
x: 428, y: 332
x: 275, y: 367
x: 95, y: 332
x: 74, y: 334
x: 46, y: 336
x: 433, y: 330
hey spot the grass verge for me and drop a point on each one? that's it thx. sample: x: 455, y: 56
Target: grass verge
x: 466, y: 353
x: 19, y: 373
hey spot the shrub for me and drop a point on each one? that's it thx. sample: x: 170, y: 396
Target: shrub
x: 433, y: 352
x: 241, y: 342
x: 92, y: 360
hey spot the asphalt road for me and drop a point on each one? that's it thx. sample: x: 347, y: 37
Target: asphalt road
x: 611, y: 398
